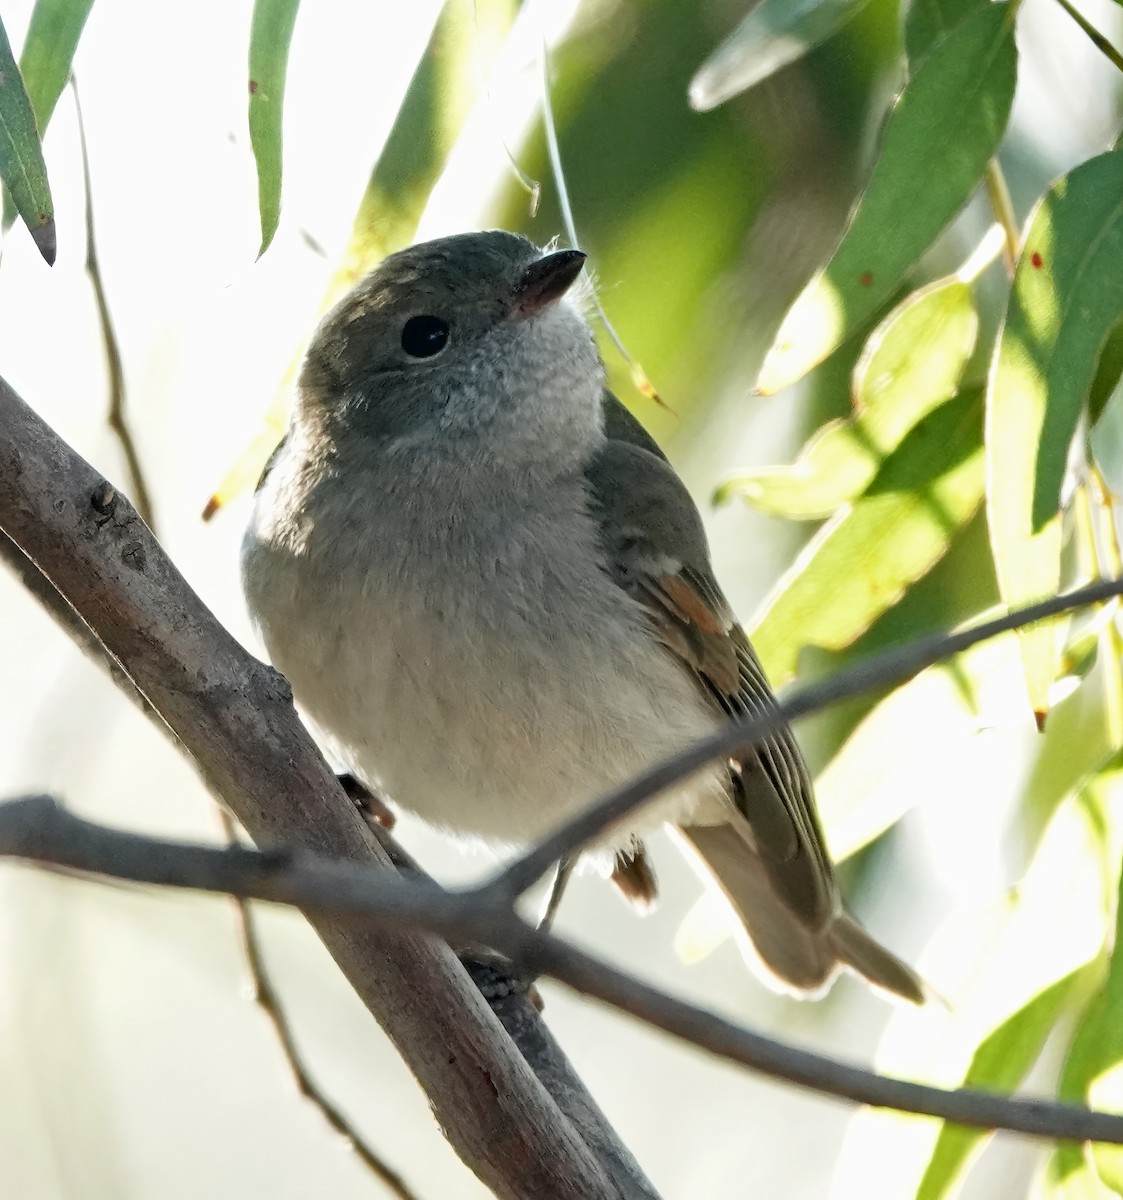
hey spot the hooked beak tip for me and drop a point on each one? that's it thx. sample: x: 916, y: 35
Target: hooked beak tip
x: 547, y: 280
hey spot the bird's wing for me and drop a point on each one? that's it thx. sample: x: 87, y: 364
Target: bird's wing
x: 657, y: 552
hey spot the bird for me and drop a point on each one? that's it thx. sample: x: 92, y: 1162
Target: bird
x: 493, y: 598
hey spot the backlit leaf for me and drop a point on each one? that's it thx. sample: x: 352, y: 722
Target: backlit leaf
x: 1065, y: 301
x: 774, y: 34
x: 953, y: 111
x: 863, y: 559
x: 912, y: 363
x: 1000, y: 1063
x: 1093, y: 1071
x: 270, y: 39
x: 920, y: 745
x: 993, y: 961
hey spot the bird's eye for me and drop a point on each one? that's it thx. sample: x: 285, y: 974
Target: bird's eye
x: 424, y: 336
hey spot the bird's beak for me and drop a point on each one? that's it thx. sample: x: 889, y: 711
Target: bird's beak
x: 546, y: 280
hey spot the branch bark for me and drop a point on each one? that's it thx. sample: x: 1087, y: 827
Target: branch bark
x: 37, y: 829
x: 234, y: 718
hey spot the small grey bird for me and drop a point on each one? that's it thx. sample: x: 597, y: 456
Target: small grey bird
x: 493, y: 598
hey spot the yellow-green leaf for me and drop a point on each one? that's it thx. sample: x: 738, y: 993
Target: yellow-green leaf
x: 48, y: 51
x: 991, y: 960
x: 1065, y: 301
x: 1000, y: 1063
x: 439, y: 98
x: 270, y: 39
x: 1093, y: 1071
x: 953, y: 113
x: 774, y: 34
x: 863, y: 559
x: 1069, y: 1175
x: 912, y: 363
x: 22, y: 168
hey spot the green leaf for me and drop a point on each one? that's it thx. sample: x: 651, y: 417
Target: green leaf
x: 953, y: 113
x: 774, y: 34
x: 1065, y: 301
x: 1068, y: 1175
x: 270, y: 38
x: 48, y: 51
x: 864, y: 558
x: 912, y: 363
x: 992, y: 960
x: 22, y: 168
x: 1093, y: 1071
x: 999, y: 1064
x: 928, y: 21
x: 439, y: 98
x: 1108, y: 374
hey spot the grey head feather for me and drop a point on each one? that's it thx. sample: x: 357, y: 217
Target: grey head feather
x: 495, y: 388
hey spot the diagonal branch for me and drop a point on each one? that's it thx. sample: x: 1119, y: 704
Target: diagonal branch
x: 882, y: 670
x: 265, y: 996
x: 38, y: 829
x: 234, y: 718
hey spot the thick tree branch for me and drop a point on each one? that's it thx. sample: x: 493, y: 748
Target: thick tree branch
x: 234, y: 718
x: 37, y: 829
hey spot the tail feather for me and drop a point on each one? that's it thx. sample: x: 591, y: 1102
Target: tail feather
x: 795, y: 956
x: 857, y: 950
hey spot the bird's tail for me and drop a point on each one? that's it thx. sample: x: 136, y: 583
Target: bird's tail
x: 794, y: 956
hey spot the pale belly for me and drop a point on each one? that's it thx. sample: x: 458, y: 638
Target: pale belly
x: 497, y: 719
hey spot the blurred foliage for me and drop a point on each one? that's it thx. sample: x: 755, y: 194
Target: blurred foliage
x: 703, y: 226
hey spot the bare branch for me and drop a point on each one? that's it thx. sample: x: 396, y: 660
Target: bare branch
x: 234, y: 718
x: 38, y: 829
x: 889, y: 668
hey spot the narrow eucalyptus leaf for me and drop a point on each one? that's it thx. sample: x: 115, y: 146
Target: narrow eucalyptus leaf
x: 774, y: 34
x: 48, y: 52
x: 22, y: 168
x: 912, y: 363
x: 951, y: 114
x: 270, y: 39
x: 862, y: 560
x: 1065, y: 302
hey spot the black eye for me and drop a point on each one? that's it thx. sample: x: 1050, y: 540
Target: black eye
x: 422, y: 337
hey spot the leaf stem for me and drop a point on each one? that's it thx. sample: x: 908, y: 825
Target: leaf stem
x: 1002, y: 207
x: 1095, y: 37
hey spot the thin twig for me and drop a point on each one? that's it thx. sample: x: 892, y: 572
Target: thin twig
x: 116, y: 415
x: 266, y: 997
x: 1095, y: 37
x: 889, y: 668
x: 40, y: 830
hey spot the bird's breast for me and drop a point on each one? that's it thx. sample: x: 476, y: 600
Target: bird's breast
x: 480, y: 667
